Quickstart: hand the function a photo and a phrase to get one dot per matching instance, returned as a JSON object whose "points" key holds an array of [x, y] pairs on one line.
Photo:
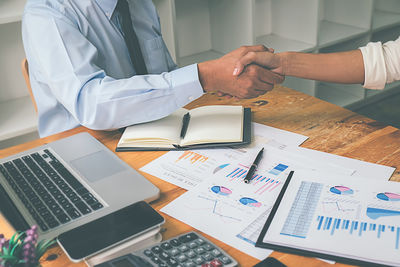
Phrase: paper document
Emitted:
{"points": [[349, 217], [361, 168], [234, 212], [187, 169]]}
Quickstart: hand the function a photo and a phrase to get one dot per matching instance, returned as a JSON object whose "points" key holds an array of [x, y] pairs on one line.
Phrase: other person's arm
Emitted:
{"points": [[373, 65]]}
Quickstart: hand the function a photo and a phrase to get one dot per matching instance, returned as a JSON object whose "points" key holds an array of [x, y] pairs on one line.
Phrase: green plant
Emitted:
{"points": [[22, 249]]}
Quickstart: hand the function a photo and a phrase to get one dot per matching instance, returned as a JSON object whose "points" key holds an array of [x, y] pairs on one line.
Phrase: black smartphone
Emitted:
{"points": [[114, 228]]}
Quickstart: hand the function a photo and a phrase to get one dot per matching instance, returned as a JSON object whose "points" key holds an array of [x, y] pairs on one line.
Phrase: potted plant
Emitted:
{"points": [[23, 249]]}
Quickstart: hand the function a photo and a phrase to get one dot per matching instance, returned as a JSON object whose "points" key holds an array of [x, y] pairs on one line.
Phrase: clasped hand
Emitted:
{"points": [[239, 73]]}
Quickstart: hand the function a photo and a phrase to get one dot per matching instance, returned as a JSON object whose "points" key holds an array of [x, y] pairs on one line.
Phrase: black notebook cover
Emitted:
{"points": [[247, 135]]}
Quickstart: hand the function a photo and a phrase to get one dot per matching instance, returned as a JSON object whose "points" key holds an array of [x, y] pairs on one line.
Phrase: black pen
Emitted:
{"points": [[253, 167]]}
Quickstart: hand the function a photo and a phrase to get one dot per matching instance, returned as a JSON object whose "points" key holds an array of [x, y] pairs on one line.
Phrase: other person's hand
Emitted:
{"points": [[216, 75], [265, 59]]}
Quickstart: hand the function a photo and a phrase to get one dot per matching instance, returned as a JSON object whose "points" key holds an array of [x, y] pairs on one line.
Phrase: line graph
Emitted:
{"points": [[219, 211], [336, 206]]}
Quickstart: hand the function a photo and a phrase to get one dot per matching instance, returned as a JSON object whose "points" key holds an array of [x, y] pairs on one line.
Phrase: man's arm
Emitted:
{"points": [[67, 63], [98, 101]]}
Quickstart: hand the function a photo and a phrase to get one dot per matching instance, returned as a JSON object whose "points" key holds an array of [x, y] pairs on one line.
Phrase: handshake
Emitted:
{"points": [[247, 72], [251, 71]]}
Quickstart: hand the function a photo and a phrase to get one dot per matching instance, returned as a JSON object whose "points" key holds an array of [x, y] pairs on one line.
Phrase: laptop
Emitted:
{"points": [[67, 183]]}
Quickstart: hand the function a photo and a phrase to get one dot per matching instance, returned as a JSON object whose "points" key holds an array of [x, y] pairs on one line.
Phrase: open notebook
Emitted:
{"points": [[347, 219], [207, 126]]}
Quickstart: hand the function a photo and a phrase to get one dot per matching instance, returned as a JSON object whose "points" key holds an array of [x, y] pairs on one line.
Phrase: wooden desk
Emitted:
{"points": [[331, 129]]}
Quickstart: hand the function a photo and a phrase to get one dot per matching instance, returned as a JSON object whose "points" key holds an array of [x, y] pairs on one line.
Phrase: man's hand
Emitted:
{"points": [[216, 75], [265, 59]]}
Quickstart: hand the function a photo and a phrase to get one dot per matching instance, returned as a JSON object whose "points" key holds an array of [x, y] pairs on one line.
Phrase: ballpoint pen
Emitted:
{"points": [[253, 167]]}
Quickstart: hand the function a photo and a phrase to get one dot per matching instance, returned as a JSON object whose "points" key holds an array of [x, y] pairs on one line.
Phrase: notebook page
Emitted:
{"points": [[163, 131], [214, 124]]}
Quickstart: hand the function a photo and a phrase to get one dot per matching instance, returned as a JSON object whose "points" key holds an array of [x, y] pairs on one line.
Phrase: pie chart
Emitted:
{"points": [[341, 190], [387, 196], [220, 167], [250, 202], [221, 190]]}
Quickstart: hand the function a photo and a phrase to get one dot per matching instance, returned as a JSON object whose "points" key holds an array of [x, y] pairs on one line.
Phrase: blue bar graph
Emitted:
{"points": [[357, 227], [278, 169]]}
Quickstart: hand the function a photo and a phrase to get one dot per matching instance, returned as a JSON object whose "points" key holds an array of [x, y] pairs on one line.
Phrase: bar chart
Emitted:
{"points": [[261, 183], [193, 157], [358, 228], [278, 169]]}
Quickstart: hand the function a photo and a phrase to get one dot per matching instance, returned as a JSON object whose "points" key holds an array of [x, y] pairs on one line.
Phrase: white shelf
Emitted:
{"points": [[11, 10], [17, 117], [392, 85], [302, 85], [371, 92], [384, 19], [281, 44], [341, 95], [332, 33], [199, 57]]}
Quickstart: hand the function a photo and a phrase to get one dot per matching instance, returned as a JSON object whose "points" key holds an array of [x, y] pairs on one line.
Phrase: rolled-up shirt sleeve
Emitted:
{"points": [[381, 63]]}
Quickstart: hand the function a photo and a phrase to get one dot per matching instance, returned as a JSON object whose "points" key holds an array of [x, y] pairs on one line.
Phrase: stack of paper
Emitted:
{"points": [[220, 204]]}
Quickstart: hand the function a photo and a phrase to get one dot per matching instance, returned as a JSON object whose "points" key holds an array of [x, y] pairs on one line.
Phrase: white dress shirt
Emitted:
{"points": [[80, 68], [381, 63]]}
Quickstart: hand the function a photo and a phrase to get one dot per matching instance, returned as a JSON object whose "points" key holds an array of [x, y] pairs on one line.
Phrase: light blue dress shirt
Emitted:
{"points": [[80, 69]]}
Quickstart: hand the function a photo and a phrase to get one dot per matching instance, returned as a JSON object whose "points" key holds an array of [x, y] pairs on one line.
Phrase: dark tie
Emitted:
{"points": [[131, 39]]}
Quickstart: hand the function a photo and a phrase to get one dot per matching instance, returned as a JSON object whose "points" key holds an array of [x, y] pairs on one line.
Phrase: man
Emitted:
{"points": [[103, 64]]}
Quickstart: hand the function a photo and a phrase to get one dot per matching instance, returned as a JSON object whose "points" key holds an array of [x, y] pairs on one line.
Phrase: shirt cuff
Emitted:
{"points": [[186, 84], [374, 66]]}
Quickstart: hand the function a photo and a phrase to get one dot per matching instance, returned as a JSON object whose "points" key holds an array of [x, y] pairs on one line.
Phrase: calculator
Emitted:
{"points": [[187, 250]]}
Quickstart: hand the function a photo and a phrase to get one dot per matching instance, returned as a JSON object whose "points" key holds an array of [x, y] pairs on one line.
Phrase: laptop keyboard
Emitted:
{"points": [[48, 190]]}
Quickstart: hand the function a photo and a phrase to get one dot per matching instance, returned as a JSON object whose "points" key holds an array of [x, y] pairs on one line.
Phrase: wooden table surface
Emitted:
{"points": [[331, 129]]}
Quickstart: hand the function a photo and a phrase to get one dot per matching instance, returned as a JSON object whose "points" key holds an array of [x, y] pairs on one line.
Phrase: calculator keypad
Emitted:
{"points": [[187, 250]]}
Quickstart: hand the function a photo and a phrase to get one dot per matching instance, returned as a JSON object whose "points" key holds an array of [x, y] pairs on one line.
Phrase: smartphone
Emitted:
{"points": [[112, 229]]}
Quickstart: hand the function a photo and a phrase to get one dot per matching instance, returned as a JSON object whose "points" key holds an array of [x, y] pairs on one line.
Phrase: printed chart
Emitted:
{"points": [[183, 168], [298, 222], [192, 157], [354, 218], [375, 213], [251, 233], [247, 201], [221, 190], [387, 196], [222, 203], [220, 167], [262, 182], [358, 228], [223, 210], [337, 206], [341, 190]]}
